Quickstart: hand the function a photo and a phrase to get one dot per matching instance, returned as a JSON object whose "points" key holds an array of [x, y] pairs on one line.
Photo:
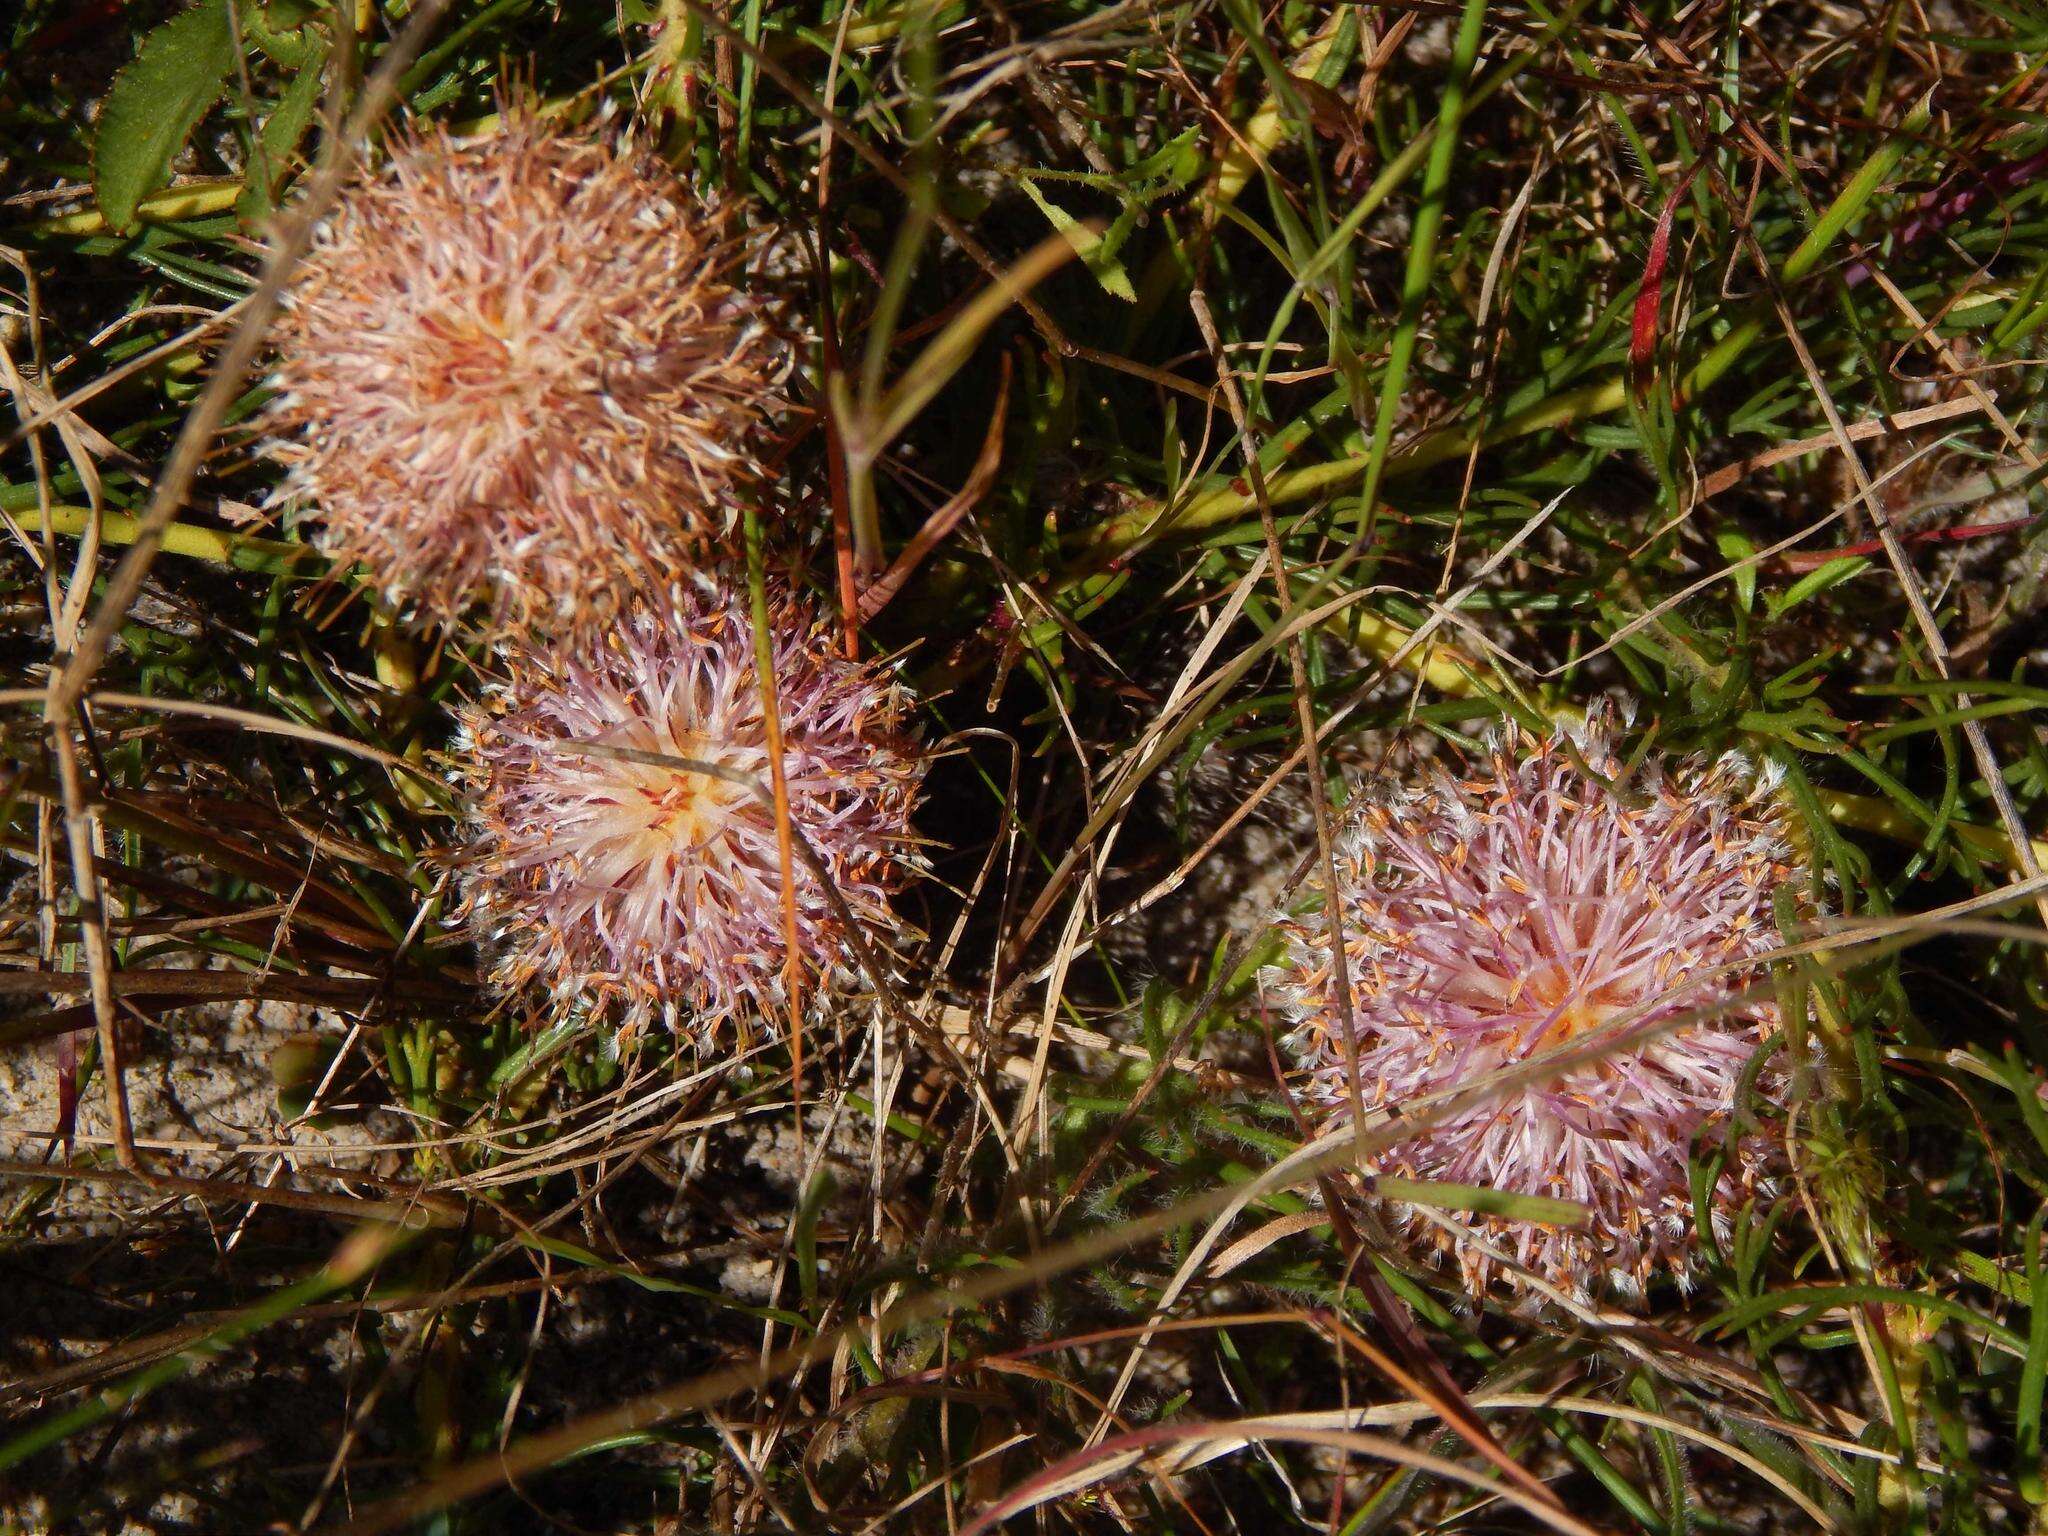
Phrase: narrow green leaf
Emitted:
{"points": [[279, 140], [1869, 179], [946, 352], [1097, 251], [2034, 1369], [155, 103], [1735, 545], [1485, 1202], [660, 1285], [1817, 581], [1818, 1298]]}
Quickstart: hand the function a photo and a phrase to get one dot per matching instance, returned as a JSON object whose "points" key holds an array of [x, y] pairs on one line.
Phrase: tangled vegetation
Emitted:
{"points": [[1203, 422]]}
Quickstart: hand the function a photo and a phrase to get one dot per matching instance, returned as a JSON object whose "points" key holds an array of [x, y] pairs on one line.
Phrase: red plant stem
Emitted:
{"points": [[1813, 560]]}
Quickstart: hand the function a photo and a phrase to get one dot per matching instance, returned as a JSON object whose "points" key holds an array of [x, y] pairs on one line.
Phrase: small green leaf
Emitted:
{"points": [[280, 30], [155, 103], [1486, 1202], [1736, 546], [1097, 251], [1815, 582], [282, 131]]}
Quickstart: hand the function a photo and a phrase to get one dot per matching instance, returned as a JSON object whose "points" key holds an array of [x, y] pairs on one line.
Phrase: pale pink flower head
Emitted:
{"points": [[510, 371], [640, 889], [1556, 902]]}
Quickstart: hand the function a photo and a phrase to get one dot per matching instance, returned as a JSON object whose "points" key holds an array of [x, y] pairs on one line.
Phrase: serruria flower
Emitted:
{"points": [[638, 888], [1556, 901], [510, 370]]}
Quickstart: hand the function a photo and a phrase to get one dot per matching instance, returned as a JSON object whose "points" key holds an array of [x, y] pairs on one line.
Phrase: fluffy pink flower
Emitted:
{"points": [[642, 889], [509, 370], [1556, 902]]}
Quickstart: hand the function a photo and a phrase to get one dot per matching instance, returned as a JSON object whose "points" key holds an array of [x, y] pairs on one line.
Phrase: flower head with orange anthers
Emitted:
{"points": [[1556, 902], [612, 868], [509, 370]]}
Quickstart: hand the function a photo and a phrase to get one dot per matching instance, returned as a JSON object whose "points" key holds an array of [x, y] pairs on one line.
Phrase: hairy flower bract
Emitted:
{"points": [[509, 370], [1556, 903], [612, 869]]}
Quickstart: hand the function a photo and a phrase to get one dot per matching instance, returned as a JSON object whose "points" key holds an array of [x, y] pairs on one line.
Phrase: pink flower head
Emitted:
{"points": [[509, 370], [641, 888], [1556, 902]]}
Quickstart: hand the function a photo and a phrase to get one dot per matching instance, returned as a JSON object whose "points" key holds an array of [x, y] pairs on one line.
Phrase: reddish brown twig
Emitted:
{"points": [[1813, 559]]}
